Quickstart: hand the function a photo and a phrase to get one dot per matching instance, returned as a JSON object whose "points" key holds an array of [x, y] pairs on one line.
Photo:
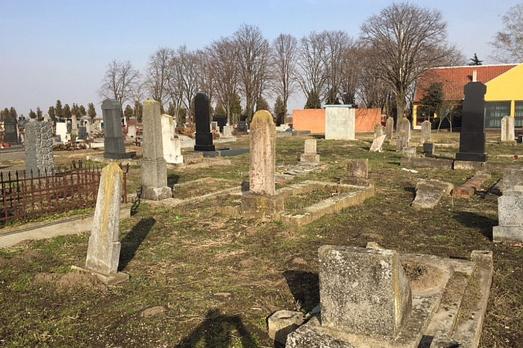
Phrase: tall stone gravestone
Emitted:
{"points": [[10, 131], [172, 147], [154, 168], [507, 130], [426, 132], [510, 216], [389, 128], [203, 124], [261, 200], [402, 142], [113, 138], [310, 154], [472, 135], [103, 251], [340, 122], [74, 124], [39, 148]]}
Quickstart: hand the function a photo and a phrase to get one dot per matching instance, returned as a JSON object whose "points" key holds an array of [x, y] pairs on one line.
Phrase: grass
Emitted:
{"points": [[219, 276]]}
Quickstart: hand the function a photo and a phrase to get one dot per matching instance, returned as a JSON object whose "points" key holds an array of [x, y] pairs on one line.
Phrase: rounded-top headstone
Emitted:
{"points": [[110, 104]]}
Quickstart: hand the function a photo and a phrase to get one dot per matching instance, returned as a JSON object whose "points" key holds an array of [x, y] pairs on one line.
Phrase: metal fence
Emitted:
{"points": [[25, 196]]}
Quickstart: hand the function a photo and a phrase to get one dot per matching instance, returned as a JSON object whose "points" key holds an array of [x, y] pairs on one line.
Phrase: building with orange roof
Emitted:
{"points": [[504, 90]]}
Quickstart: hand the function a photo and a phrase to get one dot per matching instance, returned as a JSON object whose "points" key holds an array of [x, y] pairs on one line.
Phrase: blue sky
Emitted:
{"points": [[60, 48]]}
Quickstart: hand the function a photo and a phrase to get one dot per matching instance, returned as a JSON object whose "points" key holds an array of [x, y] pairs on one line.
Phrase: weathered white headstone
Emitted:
{"points": [[227, 131], [507, 129], [377, 143], [379, 130], [154, 169], [510, 216], [426, 132], [340, 122], [310, 154], [61, 131], [172, 148]]}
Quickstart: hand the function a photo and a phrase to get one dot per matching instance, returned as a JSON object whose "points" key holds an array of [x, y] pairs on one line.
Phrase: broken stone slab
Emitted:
{"points": [[363, 291], [469, 188], [256, 205], [510, 216], [430, 192], [283, 322], [469, 165]]}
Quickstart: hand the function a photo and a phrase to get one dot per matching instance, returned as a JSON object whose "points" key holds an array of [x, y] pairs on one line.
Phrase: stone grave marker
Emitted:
{"points": [[472, 134], [203, 126], [507, 130], [261, 200], [227, 131], [430, 192], [61, 131], [113, 138], [74, 124], [357, 172], [154, 169], [377, 143], [103, 251], [512, 177], [11, 130], [379, 130], [389, 128], [510, 216], [172, 147], [310, 154], [340, 122], [39, 148], [426, 132]]}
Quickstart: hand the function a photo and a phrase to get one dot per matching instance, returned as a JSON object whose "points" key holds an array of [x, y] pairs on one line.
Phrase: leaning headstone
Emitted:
{"points": [[379, 130], [39, 148], [172, 148], [310, 154], [377, 143], [340, 122], [113, 138], [363, 291], [426, 132], [472, 134], [154, 169], [507, 130], [389, 128], [203, 125], [103, 251], [510, 216], [261, 200], [430, 192]]}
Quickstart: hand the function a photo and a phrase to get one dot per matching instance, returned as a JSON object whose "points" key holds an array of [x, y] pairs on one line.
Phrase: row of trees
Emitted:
{"points": [[377, 69]]}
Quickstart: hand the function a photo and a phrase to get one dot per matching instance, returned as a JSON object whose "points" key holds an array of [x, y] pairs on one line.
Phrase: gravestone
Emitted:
{"points": [[261, 200], [103, 251], [203, 125], [402, 142], [357, 172], [214, 126], [389, 128], [82, 133], [74, 124], [340, 122], [512, 177], [377, 143], [507, 130], [379, 130], [227, 131], [510, 216], [428, 149], [430, 192], [310, 154], [172, 147], [11, 131], [472, 135], [61, 131], [363, 291], [113, 138], [39, 148], [154, 169], [242, 126], [426, 132], [131, 132]]}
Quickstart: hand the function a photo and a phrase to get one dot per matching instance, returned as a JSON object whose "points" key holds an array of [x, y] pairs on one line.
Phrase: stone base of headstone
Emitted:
{"points": [[204, 142], [108, 279], [258, 206], [310, 157], [468, 165], [353, 180], [508, 233], [428, 149], [475, 157], [119, 155], [156, 193]]}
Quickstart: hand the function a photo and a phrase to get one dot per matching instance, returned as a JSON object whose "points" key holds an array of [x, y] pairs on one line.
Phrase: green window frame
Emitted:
{"points": [[518, 121], [494, 112]]}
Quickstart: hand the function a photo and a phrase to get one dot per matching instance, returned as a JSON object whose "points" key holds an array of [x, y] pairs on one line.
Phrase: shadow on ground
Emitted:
{"points": [[132, 240], [305, 288], [218, 331], [172, 179], [482, 223]]}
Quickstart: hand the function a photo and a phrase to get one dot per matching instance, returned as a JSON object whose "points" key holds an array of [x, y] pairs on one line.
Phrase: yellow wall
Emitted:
{"points": [[506, 87]]}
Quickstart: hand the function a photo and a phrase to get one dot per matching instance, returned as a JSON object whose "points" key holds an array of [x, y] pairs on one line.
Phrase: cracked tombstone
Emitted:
{"points": [[39, 148], [430, 192], [261, 199], [103, 251], [154, 168], [310, 154]]}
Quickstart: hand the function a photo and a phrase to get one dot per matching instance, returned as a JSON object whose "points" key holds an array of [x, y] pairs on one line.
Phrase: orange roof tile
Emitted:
{"points": [[455, 78]]}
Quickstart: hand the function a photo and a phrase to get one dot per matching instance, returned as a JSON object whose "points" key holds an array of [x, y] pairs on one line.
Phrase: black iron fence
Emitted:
{"points": [[25, 196]]}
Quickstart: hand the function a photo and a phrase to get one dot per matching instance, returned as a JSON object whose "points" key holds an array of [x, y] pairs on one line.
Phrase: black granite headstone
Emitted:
{"points": [[10, 131], [82, 133], [113, 138], [203, 125], [472, 135]]}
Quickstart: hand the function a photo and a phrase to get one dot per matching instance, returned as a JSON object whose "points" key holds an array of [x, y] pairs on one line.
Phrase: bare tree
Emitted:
{"points": [[253, 61], [311, 69], [284, 52], [223, 56], [406, 41], [120, 81], [508, 43], [184, 82], [206, 78], [350, 71], [337, 44], [159, 72]]}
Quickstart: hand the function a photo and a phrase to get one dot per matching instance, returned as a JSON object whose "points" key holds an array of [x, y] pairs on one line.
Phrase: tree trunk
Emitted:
{"points": [[400, 108]]}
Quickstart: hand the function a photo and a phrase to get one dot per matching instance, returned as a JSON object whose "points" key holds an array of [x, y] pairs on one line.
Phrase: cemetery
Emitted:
{"points": [[181, 209]]}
